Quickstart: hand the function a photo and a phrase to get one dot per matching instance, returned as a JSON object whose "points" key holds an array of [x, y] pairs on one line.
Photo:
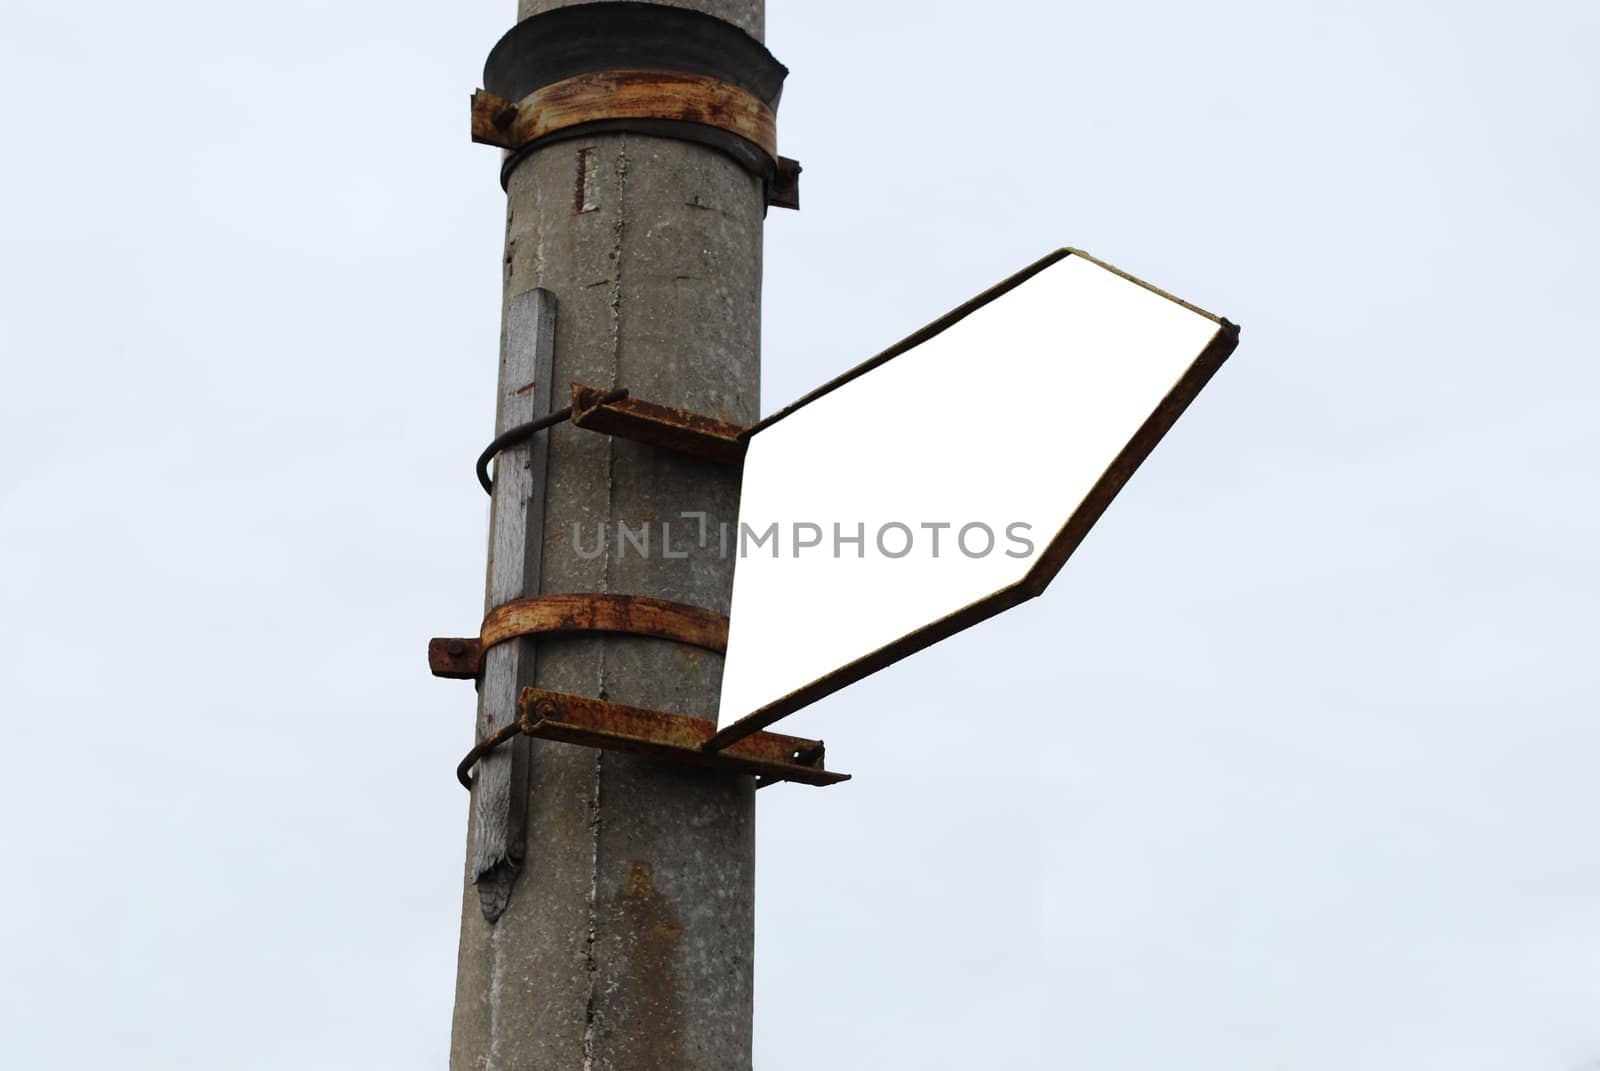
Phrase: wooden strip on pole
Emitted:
{"points": [[516, 547]]}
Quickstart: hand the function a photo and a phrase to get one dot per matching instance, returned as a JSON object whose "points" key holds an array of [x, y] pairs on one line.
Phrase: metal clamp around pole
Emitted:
{"points": [[652, 69], [461, 658]]}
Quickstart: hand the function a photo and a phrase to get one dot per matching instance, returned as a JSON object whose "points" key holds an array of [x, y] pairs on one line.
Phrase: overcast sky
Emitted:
{"points": [[1294, 767]]}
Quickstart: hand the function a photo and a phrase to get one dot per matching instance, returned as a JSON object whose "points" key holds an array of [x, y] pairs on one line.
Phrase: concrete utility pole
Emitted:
{"points": [[626, 937]]}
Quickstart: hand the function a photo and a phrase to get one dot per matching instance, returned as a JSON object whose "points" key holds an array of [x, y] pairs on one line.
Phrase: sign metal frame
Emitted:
{"points": [[1060, 546]]}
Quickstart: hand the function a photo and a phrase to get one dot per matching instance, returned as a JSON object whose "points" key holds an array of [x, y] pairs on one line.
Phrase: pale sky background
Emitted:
{"points": [[1294, 768]]}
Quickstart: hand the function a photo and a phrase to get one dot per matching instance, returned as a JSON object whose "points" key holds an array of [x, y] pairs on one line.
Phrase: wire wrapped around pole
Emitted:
{"points": [[494, 740], [523, 432]]}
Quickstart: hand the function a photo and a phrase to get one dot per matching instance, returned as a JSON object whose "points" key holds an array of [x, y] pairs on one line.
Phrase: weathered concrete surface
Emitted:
{"points": [[628, 941]]}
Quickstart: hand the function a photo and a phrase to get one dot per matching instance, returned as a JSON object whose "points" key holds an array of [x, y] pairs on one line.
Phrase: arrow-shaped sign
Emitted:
{"points": [[898, 505]]}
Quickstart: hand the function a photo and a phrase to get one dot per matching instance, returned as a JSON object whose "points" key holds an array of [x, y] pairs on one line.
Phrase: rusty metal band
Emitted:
{"points": [[632, 615], [718, 85], [607, 96]]}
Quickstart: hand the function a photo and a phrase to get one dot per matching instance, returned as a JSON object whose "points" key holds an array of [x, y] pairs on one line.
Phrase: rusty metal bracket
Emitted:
{"points": [[613, 412], [783, 188], [664, 426], [462, 658], [599, 723]]}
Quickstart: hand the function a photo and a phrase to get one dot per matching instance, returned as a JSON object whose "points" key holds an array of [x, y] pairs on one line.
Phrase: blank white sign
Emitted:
{"points": [[932, 482]]}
